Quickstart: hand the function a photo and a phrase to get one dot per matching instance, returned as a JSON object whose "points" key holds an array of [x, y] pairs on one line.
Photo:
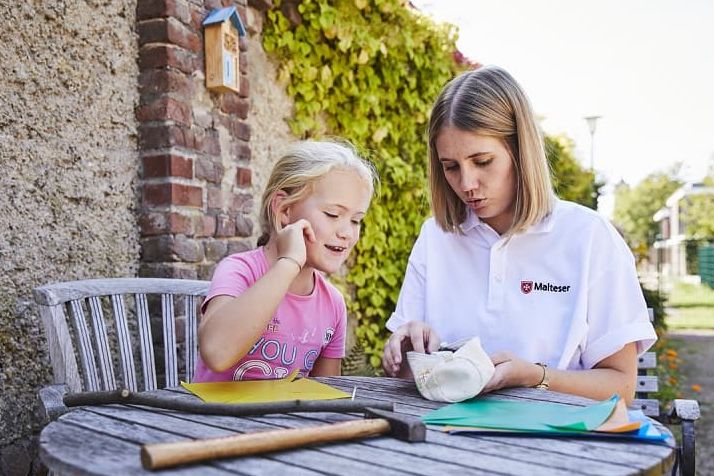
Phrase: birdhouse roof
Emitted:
{"points": [[220, 15]]}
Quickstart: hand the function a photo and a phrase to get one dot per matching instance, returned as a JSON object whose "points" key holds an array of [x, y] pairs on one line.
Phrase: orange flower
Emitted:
{"points": [[671, 353], [696, 388], [673, 381]]}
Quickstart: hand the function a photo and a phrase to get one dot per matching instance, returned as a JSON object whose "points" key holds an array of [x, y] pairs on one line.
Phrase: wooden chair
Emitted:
{"points": [[104, 347], [682, 412]]}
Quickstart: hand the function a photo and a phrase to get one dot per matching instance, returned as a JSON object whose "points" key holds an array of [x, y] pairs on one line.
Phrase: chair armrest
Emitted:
{"points": [[51, 404], [683, 410]]}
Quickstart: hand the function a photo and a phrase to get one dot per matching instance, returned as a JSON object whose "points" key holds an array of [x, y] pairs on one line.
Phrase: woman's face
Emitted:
{"points": [[480, 171]]}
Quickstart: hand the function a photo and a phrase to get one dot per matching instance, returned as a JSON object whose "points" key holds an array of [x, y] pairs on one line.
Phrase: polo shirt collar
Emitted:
{"points": [[544, 226], [471, 222]]}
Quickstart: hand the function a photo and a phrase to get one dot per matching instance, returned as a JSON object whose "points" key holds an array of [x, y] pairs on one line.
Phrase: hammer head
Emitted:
{"points": [[401, 427]]}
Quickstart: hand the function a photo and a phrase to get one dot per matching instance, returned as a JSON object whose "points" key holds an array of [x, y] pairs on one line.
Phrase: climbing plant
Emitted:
{"points": [[369, 71], [570, 180]]}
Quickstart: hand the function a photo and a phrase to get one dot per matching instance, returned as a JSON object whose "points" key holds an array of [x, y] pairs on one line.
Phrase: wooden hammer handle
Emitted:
{"points": [[164, 455]]}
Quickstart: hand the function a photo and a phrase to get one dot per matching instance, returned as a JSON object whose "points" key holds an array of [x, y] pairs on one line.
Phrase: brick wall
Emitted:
{"points": [[194, 145]]}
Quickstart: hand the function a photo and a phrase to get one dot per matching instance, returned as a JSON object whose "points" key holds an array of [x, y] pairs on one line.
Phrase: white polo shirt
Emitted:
{"points": [[565, 292]]}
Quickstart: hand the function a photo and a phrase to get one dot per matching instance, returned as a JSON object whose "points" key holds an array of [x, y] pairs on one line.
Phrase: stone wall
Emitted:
{"points": [[116, 161], [69, 166], [68, 159]]}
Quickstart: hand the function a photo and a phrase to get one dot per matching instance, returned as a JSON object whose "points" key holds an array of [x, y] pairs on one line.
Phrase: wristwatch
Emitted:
{"points": [[544, 382]]}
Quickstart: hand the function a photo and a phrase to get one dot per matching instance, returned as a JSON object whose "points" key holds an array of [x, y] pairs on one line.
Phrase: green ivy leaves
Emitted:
{"points": [[369, 71]]}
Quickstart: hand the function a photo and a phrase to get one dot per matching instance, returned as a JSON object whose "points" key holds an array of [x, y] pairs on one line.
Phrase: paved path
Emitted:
{"points": [[697, 367]]}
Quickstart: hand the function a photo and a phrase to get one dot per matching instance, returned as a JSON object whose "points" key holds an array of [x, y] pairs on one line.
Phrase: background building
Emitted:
{"points": [[673, 252]]}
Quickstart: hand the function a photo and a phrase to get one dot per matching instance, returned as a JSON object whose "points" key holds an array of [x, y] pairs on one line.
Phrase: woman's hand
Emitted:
{"points": [[414, 335], [291, 240], [512, 371], [614, 374]]}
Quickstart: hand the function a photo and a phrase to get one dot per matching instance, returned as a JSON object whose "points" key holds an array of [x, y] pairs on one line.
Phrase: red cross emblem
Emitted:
{"points": [[526, 287]]}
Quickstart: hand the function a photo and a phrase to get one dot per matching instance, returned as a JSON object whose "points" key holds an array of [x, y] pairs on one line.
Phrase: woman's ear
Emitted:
{"points": [[280, 211]]}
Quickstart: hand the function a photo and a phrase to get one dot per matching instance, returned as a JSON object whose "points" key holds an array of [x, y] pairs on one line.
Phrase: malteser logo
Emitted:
{"points": [[528, 286]]}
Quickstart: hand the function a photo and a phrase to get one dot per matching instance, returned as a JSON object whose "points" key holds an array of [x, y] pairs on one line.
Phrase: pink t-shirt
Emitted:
{"points": [[302, 329]]}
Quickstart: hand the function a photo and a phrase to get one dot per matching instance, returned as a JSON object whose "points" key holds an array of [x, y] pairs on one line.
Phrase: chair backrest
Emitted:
{"points": [[101, 344], [647, 382]]}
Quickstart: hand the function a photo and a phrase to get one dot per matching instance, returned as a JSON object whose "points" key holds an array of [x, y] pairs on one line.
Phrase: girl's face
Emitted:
{"points": [[480, 171], [335, 209]]}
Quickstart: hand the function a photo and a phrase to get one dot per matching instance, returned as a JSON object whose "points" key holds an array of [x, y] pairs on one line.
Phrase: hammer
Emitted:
{"points": [[377, 422]]}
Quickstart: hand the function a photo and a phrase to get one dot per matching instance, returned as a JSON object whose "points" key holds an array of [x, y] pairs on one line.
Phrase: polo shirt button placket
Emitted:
{"points": [[498, 261]]}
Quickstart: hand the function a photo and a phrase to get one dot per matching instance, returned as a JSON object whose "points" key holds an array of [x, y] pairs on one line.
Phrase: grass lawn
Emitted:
{"points": [[692, 307]]}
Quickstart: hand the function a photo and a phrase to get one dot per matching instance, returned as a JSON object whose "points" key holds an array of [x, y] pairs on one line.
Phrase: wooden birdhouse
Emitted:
{"points": [[222, 29]]}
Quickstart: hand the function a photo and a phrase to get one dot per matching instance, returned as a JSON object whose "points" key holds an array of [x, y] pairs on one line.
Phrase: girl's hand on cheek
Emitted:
{"points": [[291, 240]]}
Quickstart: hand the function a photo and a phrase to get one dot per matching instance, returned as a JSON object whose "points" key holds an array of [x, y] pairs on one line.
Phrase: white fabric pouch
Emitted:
{"points": [[447, 376]]}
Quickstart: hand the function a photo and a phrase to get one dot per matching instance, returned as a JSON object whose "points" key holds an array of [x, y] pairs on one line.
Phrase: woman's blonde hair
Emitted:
{"points": [[488, 101], [301, 165]]}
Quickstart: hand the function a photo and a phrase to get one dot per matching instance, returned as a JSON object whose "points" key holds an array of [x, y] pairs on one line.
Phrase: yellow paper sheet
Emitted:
{"points": [[255, 391]]}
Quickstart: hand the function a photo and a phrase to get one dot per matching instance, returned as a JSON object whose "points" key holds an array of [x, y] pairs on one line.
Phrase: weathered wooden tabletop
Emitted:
{"points": [[107, 440]]}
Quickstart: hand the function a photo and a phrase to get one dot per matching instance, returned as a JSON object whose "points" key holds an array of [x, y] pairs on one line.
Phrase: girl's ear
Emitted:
{"points": [[280, 211]]}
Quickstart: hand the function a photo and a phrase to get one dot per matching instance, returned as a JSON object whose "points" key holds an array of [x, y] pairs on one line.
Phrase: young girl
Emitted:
{"points": [[270, 311], [549, 286]]}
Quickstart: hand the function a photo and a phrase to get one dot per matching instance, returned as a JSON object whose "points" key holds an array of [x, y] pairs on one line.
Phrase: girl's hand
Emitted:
{"points": [[512, 371], [414, 335], [291, 240]]}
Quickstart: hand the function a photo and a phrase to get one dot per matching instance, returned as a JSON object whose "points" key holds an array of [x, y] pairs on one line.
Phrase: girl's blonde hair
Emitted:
{"points": [[488, 101], [302, 164]]}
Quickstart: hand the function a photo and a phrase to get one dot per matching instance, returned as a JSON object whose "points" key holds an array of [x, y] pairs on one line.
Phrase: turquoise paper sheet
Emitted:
{"points": [[517, 415]]}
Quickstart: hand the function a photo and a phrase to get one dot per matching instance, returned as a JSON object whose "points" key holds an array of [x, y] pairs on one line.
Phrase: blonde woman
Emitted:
{"points": [[549, 286], [270, 311]]}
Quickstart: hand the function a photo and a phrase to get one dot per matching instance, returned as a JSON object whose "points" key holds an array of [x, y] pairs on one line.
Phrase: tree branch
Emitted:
{"points": [[125, 396]]}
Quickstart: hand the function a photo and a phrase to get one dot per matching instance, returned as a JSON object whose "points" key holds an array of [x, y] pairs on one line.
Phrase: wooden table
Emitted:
{"points": [[107, 440]]}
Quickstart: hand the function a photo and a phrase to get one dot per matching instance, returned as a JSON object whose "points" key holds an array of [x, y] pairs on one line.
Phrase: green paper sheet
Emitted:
{"points": [[525, 416], [255, 391]]}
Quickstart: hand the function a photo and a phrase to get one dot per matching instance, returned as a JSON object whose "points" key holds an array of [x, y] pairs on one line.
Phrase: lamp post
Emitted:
{"points": [[592, 122]]}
